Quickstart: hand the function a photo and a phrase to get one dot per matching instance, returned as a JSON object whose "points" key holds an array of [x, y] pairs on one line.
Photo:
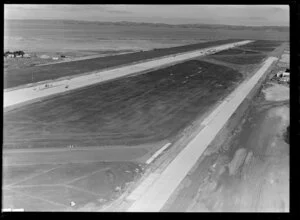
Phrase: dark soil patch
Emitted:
{"points": [[240, 59]]}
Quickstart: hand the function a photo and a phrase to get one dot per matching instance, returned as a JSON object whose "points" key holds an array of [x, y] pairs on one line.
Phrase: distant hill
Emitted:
{"points": [[206, 26]]}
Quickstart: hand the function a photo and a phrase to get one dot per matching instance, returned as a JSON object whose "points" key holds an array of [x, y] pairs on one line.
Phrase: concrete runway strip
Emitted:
{"points": [[160, 190], [27, 94]]}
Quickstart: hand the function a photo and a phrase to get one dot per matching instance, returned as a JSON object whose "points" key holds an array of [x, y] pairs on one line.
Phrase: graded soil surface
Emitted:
{"points": [[235, 51], [41, 73], [262, 45], [143, 108], [252, 53], [65, 187], [250, 170], [240, 59]]}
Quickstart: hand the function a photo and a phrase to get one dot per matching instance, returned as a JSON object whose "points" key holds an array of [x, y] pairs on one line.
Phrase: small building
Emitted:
{"points": [[285, 73], [283, 76], [54, 58], [18, 53], [44, 56], [279, 74], [26, 55], [285, 79], [10, 55]]}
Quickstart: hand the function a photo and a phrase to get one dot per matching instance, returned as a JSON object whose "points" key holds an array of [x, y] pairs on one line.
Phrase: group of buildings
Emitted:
{"points": [[15, 54], [283, 76]]}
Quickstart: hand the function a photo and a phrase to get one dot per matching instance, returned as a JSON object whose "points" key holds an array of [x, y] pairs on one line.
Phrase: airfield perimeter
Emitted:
{"points": [[116, 121]]}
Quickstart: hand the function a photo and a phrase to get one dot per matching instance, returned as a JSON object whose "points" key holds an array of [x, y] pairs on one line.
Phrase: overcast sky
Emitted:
{"points": [[171, 14]]}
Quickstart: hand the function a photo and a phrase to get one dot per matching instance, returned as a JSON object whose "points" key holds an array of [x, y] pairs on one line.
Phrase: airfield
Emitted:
{"points": [[50, 72], [89, 145]]}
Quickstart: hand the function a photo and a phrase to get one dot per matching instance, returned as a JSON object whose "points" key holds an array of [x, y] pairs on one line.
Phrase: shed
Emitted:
{"points": [[279, 74], [285, 74]]}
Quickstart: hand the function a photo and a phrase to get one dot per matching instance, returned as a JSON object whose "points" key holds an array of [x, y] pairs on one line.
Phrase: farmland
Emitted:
{"points": [[34, 74], [161, 104]]}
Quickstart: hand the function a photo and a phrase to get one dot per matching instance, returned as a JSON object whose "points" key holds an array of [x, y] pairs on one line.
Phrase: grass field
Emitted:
{"points": [[240, 59], [261, 45], [144, 108], [36, 74]]}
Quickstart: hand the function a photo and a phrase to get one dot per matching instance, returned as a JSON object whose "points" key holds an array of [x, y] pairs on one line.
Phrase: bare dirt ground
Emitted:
{"points": [[277, 92], [70, 179], [250, 173], [61, 187]]}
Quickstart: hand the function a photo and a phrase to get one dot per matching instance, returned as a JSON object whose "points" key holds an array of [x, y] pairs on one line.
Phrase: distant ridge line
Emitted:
{"points": [[129, 23]]}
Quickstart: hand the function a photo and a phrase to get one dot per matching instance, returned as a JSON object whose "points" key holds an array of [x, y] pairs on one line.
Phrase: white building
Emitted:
{"points": [[283, 74], [44, 57]]}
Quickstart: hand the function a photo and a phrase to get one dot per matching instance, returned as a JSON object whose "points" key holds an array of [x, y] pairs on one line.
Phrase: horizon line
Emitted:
{"points": [[135, 22]]}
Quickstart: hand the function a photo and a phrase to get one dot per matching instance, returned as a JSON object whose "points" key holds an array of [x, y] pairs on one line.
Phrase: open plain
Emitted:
{"points": [[82, 149]]}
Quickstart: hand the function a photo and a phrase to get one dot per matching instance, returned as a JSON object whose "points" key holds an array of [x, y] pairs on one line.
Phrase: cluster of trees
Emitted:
{"points": [[15, 53]]}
